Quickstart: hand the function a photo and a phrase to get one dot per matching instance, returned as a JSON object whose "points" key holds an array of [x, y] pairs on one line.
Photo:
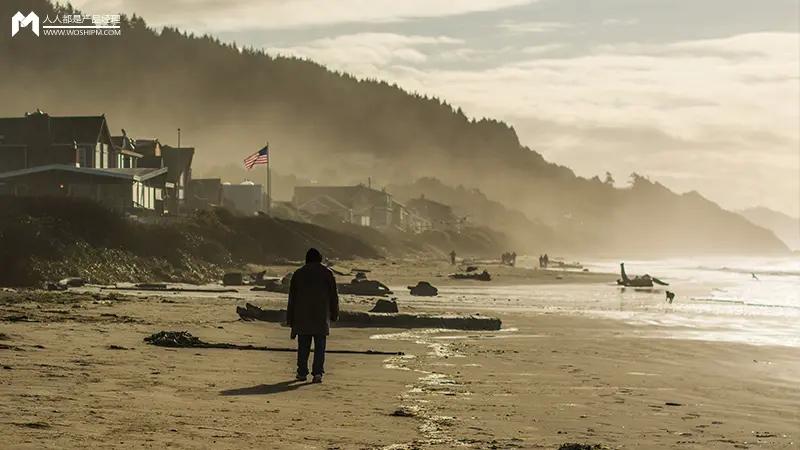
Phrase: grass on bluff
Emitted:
{"points": [[49, 238]]}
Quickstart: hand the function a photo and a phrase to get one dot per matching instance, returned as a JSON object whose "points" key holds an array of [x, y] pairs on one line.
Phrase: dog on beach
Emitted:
{"points": [[670, 297]]}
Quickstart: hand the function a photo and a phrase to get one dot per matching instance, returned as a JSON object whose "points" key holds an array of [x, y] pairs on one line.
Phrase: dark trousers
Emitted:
{"points": [[304, 348]]}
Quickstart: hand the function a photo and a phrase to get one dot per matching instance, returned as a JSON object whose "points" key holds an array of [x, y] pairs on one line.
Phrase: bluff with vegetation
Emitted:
{"points": [[51, 238], [333, 128]]}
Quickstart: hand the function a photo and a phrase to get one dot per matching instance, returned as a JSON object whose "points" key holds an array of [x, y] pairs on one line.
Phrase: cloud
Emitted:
{"points": [[367, 53], [225, 15], [717, 115], [620, 22], [542, 49], [532, 27]]}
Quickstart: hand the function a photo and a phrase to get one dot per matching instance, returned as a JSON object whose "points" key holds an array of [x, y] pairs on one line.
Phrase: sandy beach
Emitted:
{"points": [[75, 373]]}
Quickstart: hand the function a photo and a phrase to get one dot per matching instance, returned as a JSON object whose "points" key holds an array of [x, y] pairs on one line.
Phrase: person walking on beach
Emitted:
{"points": [[313, 301], [453, 257]]}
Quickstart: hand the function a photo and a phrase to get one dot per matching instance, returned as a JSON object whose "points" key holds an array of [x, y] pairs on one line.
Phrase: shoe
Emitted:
{"points": [[301, 377], [316, 379]]}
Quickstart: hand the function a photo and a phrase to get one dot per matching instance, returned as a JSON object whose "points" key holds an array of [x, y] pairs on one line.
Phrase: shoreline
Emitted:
{"points": [[545, 379]]}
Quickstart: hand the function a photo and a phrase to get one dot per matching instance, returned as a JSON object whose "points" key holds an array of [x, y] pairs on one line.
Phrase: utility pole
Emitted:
{"points": [[179, 138]]}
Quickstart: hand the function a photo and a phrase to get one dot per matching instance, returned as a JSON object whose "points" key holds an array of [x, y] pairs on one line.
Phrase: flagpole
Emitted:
{"points": [[269, 180]]}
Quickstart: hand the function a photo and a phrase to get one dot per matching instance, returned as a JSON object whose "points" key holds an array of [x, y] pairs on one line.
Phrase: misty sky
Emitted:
{"points": [[700, 95]]}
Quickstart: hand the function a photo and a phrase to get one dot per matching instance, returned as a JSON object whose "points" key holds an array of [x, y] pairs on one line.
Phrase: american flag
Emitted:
{"points": [[259, 157]]}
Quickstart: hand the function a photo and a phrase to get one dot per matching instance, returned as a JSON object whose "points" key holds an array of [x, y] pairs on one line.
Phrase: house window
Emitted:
{"points": [[104, 153], [83, 157]]}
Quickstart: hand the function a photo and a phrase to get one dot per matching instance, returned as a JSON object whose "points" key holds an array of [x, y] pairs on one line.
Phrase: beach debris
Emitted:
{"points": [[72, 282], [280, 285], [153, 286], [483, 276], [575, 446], [173, 339], [385, 306], [19, 318], [184, 339], [360, 285], [637, 281], [423, 289], [233, 279], [34, 425], [163, 287], [673, 404], [403, 412], [763, 434], [340, 270], [367, 319], [52, 286], [256, 278], [561, 264], [117, 347]]}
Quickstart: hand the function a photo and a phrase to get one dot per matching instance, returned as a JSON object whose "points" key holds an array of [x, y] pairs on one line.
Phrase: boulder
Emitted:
{"points": [[423, 289], [385, 306], [233, 279]]}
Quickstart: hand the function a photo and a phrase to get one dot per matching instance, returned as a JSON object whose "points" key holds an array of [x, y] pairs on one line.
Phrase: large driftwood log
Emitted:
{"points": [[382, 320]]}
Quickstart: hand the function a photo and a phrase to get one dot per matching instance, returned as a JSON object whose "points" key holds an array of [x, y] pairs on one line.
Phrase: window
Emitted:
{"points": [[83, 156], [104, 153]]}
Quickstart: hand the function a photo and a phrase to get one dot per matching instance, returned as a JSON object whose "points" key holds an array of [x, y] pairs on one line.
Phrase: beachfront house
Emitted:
{"points": [[150, 153], [246, 198], [204, 193], [439, 215], [359, 204], [75, 156], [408, 220]]}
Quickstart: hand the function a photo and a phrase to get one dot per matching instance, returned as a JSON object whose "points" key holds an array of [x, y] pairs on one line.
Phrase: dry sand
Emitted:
{"points": [[77, 374]]}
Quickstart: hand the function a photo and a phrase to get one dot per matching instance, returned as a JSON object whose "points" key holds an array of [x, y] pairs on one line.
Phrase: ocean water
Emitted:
{"points": [[752, 300]]}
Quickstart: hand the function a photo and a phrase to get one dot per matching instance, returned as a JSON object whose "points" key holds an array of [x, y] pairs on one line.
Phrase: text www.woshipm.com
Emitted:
{"points": [[82, 32]]}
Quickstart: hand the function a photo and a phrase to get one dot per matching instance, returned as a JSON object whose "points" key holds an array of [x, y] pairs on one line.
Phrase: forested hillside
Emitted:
{"points": [[334, 128]]}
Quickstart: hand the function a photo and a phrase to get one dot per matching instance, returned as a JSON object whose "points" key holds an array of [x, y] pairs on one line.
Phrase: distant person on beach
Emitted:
{"points": [[453, 257], [313, 301]]}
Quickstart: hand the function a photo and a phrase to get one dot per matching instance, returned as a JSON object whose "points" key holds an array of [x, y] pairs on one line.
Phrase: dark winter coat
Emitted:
{"points": [[312, 300]]}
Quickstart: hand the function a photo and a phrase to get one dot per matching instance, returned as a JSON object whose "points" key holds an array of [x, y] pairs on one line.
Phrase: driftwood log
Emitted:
{"points": [[184, 339], [383, 320]]}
